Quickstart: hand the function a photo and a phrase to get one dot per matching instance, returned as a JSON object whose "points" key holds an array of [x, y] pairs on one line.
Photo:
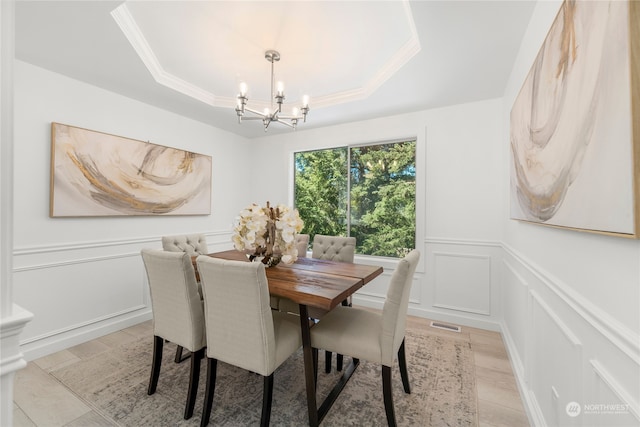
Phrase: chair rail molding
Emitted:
{"points": [[74, 262], [463, 242], [71, 246]]}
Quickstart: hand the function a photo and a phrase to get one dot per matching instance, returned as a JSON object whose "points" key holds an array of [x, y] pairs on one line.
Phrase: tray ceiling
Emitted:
{"points": [[356, 60]]}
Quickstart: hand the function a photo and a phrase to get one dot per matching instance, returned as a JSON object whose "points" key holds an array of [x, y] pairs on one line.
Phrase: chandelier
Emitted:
{"points": [[272, 114]]}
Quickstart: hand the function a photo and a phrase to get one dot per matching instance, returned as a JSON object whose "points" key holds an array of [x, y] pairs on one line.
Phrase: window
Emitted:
{"points": [[364, 191]]}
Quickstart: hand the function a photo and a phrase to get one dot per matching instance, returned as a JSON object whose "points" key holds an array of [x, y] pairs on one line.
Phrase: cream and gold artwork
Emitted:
{"points": [[98, 174], [575, 125]]}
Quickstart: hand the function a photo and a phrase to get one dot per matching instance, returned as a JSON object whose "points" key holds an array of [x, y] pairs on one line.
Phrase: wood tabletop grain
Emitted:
{"points": [[309, 281]]}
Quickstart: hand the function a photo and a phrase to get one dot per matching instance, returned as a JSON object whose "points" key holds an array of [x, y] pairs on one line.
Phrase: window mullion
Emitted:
{"points": [[348, 191]]}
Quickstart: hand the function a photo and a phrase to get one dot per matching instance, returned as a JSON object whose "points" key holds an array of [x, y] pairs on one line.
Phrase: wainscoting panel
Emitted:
{"points": [[611, 404], [557, 361], [374, 294], [566, 352], [515, 290], [375, 291], [79, 291], [462, 282], [69, 295]]}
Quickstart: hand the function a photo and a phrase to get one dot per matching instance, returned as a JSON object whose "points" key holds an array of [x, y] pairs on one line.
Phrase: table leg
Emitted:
{"points": [[309, 369]]}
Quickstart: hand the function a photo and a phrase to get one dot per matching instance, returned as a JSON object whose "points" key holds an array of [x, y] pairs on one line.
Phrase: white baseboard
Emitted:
{"points": [[54, 343]]}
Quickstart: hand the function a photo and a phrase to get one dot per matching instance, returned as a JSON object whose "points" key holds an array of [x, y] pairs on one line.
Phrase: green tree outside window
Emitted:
{"points": [[378, 187]]}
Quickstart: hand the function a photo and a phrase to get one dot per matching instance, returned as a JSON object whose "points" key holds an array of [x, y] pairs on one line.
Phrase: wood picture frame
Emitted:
{"points": [[99, 174], [575, 124]]}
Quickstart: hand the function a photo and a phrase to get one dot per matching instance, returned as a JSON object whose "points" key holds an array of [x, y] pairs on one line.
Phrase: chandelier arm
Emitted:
{"points": [[284, 123], [255, 112], [290, 117]]}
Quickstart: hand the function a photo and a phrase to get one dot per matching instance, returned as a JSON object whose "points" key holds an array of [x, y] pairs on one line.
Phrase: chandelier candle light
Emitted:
{"points": [[268, 234], [272, 114]]}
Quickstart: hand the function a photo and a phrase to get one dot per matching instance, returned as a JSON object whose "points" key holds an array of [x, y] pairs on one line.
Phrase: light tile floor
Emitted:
{"points": [[40, 400]]}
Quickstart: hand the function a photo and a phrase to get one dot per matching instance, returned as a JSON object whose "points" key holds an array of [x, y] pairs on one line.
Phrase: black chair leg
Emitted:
{"points": [[194, 379], [388, 395], [155, 364], [327, 361], [179, 357], [402, 363], [212, 366], [267, 397]]}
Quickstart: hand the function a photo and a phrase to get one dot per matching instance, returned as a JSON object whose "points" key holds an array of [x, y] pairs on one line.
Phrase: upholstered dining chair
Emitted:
{"points": [[375, 337], [241, 326], [302, 243], [178, 314], [192, 244], [334, 248]]}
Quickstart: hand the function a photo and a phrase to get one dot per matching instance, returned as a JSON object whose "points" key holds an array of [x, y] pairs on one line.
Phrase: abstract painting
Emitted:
{"points": [[574, 134], [98, 174]]}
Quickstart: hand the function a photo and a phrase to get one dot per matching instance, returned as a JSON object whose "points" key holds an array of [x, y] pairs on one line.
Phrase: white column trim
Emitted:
{"points": [[12, 317], [11, 358]]}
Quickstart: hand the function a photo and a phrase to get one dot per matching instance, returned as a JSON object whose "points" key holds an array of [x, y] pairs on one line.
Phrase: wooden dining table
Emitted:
{"points": [[312, 282]]}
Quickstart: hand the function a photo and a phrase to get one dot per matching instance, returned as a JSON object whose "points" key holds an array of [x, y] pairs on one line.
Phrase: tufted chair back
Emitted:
{"points": [[334, 248], [192, 244], [302, 243]]}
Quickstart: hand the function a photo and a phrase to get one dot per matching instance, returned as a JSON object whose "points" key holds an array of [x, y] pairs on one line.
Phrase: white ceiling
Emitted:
{"points": [[355, 59]]}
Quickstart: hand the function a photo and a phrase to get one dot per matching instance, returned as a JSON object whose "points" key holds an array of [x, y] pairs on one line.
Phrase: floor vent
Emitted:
{"points": [[446, 327]]}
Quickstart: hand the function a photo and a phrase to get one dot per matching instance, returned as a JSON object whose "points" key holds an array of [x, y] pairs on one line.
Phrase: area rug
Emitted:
{"points": [[441, 372]]}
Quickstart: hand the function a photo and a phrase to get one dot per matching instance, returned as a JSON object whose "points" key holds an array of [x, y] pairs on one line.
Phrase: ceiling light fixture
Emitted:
{"points": [[272, 114]]}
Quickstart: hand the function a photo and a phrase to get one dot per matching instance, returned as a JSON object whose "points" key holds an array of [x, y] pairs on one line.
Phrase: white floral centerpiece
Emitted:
{"points": [[268, 233]]}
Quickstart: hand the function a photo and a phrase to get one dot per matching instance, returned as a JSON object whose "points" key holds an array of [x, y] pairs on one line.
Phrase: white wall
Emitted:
{"points": [[83, 277], [458, 203], [571, 300]]}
